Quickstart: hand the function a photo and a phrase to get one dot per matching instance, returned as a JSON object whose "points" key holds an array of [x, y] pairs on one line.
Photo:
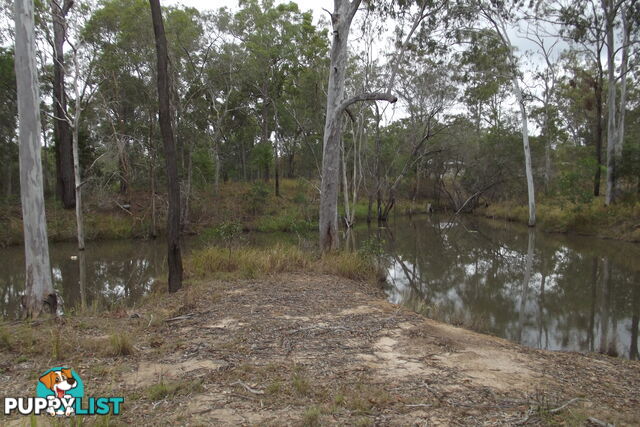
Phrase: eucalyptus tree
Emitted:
{"points": [[121, 33], [497, 17], [341, 19], [548, 78], [617, 13], [275, 39], [173, 219], [38, 285], [62, 131]]}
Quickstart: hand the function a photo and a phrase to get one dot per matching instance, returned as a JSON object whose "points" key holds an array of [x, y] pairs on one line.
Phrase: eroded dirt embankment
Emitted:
{"points": [[313, 349]]}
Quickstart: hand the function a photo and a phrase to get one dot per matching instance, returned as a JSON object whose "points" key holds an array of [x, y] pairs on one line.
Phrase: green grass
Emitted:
{"points": [[162, 389], [311, 417]]}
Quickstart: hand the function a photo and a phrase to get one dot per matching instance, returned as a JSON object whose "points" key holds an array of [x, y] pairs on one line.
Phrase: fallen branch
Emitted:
{"points": [[597, 422], [183, 317], [556, 410], [249, 389]]}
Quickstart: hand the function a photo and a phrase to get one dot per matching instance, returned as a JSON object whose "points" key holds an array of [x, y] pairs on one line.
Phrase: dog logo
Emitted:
{"points": [[60, 393], [61, 387]]}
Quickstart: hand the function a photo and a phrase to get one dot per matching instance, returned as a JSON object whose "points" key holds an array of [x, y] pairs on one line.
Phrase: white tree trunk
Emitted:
{"points": [[501, 30], [527, 153], [78, 182], [38, 283], [615, 126], [75, 125], [341, 20]]}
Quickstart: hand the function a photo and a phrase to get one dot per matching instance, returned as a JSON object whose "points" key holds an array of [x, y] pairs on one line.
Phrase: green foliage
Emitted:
{"points": [[372, 247], [226, 232], [257, 198]]}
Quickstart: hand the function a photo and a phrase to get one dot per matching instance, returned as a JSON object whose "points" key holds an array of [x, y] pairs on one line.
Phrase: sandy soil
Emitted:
{"points": [[314, 350]]}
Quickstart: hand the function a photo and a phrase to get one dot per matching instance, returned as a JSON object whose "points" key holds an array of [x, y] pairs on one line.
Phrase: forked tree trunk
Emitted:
{"points": [[173, 218], [38, 283], [341, 19]]}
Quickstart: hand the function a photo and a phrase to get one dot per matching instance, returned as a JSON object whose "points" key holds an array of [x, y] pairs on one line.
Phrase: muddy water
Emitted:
{"points": [[542, 290]]}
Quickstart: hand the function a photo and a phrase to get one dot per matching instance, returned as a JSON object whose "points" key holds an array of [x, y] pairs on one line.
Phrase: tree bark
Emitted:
{"points": [[38, 283], [341, 19], [598, 136], [61, 129], [173, 218], [615, 125]]}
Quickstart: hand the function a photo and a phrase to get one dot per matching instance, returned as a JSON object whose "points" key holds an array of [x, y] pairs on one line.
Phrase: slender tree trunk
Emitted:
{"points": [[38, 283], [152, 177], [75, 127], [62, 131], [598, 134], [502, 33], [527, 154], [78, 187], [8, 171], [173, 220]]}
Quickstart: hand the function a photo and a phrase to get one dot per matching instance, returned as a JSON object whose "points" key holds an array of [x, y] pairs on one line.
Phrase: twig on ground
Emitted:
{"points": [[596, 421], [556, 410], [183, 317], [249, 389]]}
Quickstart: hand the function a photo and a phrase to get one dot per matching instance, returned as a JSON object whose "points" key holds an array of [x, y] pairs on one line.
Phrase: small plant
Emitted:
{"points": [[5, 340], [274, 388], [311, 416], [300, 384], [373, 248], [226, 232], [161, 390], [257, 198], [120, 344]]}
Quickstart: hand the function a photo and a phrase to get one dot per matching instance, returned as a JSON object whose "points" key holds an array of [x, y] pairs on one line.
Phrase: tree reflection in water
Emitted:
{"points": [[543, 290]]}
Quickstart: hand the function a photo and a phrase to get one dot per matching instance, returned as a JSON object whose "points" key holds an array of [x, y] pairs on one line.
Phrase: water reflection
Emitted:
{"points": [[106, 273], [546, 291]]}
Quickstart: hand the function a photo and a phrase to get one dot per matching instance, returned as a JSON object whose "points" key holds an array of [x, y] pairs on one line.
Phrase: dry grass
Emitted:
{"points": [[620, 221], [249, 262]]}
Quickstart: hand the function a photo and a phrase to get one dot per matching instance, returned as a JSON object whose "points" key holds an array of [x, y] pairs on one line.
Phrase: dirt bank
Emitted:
{"points": [[312, 349]]}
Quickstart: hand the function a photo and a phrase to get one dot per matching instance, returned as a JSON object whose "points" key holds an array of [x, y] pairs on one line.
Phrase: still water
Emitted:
{"points": [[543, 290]]}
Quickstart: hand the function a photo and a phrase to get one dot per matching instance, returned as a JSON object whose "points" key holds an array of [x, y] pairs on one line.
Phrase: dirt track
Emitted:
{"points": [[312, 349]]}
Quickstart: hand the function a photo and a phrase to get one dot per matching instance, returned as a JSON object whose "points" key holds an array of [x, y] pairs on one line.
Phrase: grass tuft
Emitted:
{"points": [[120, 344], [161, 390], [311, 417]]}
